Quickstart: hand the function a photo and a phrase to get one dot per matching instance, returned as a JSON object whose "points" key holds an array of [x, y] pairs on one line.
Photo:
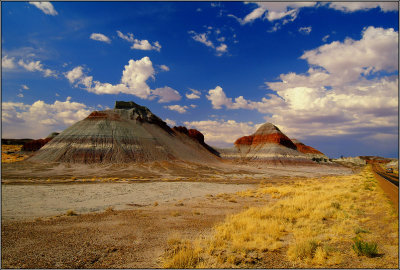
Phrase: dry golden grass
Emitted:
{"points": [[11, 157], [312, 223]]}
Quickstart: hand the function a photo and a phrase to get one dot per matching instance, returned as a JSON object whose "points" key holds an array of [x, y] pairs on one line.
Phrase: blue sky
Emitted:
{"points": [[324, 73]]}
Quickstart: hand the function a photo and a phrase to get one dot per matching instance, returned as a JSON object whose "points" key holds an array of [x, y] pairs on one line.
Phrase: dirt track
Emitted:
{"points": [[391, 190]]}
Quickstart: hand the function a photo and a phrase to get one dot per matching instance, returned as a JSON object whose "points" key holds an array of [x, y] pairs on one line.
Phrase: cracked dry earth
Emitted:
{"points": [[114, 239]]}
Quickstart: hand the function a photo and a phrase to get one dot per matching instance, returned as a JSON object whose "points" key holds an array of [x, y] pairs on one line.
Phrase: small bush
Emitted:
{"points": [[155, 204], [364, 248]]}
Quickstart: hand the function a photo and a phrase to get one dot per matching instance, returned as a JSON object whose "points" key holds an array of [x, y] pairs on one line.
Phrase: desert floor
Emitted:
{"points": [[87, 218]]}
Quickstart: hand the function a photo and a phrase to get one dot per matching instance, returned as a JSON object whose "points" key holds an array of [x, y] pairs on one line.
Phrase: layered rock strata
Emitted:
{"points": [[127, 133], [308, 150], [268, 143]]}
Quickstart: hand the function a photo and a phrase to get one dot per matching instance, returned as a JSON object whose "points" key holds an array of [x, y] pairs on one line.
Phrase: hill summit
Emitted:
{"points": [[269, 143], [127, 133]]}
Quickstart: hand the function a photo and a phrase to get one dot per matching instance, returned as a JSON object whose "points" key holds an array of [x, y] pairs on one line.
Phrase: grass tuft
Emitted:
{"points": [[362, 248]]}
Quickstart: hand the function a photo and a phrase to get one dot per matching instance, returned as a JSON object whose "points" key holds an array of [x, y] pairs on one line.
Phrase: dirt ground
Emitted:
{"points": [[134, 238], [113, 239], [32, 201]]}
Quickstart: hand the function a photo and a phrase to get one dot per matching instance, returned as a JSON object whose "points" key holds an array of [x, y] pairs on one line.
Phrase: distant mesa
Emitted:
{"points": [[268, 143], [127, 133], [35, 145]]}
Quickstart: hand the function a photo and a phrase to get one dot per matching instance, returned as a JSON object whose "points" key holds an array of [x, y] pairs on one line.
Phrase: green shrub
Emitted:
{"points": [[365, 248]]}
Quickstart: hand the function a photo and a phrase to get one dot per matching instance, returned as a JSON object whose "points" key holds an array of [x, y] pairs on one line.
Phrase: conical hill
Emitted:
{"points": [[127, 133]]}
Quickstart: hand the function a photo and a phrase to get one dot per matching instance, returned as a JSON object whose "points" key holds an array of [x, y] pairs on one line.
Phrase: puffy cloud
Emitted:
{"points": [[288, 11], [177, 108], [193, 106], [193, 94], [325, 38], [20, 95], [218, 98], [7, 63], [221, 48], [46, 7], [133, 82], [136, 74], [100, 37], [139, 44], [164, 67], [166, 94], [356, 6], [37, 66], [25, 87], [170, 122], [274, 11], [305, 30], [204, 39], [222, 133], [377, 50], [334, 97], [39, 119]]}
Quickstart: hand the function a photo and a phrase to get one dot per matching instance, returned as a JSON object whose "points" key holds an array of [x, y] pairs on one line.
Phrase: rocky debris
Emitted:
{"points": [[127, 133]]}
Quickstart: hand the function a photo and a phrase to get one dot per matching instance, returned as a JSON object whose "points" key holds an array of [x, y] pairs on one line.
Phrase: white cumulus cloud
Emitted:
{"points": [[356, 6], [7, 63], [193, 94], [177, 108], [139, 44], [46, 7], [39, 119], [204, 39], [100, 37], [37, 66], [170, 122], [166, 94], [133, 82], [222, 133]]}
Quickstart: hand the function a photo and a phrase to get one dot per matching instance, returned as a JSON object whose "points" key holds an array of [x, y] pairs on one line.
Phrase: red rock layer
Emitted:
{"points": [[35, 144], [101, 115], [277, 138], [196, 135], [307, 149], [192, 133]]}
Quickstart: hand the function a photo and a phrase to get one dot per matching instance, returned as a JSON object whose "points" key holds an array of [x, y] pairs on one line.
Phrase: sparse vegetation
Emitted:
{"points": [[11, 153], [364, 248], [319, 216]]}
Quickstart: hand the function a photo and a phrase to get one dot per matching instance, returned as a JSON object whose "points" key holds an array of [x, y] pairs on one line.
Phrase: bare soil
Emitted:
{"points": [[113, 239]]}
